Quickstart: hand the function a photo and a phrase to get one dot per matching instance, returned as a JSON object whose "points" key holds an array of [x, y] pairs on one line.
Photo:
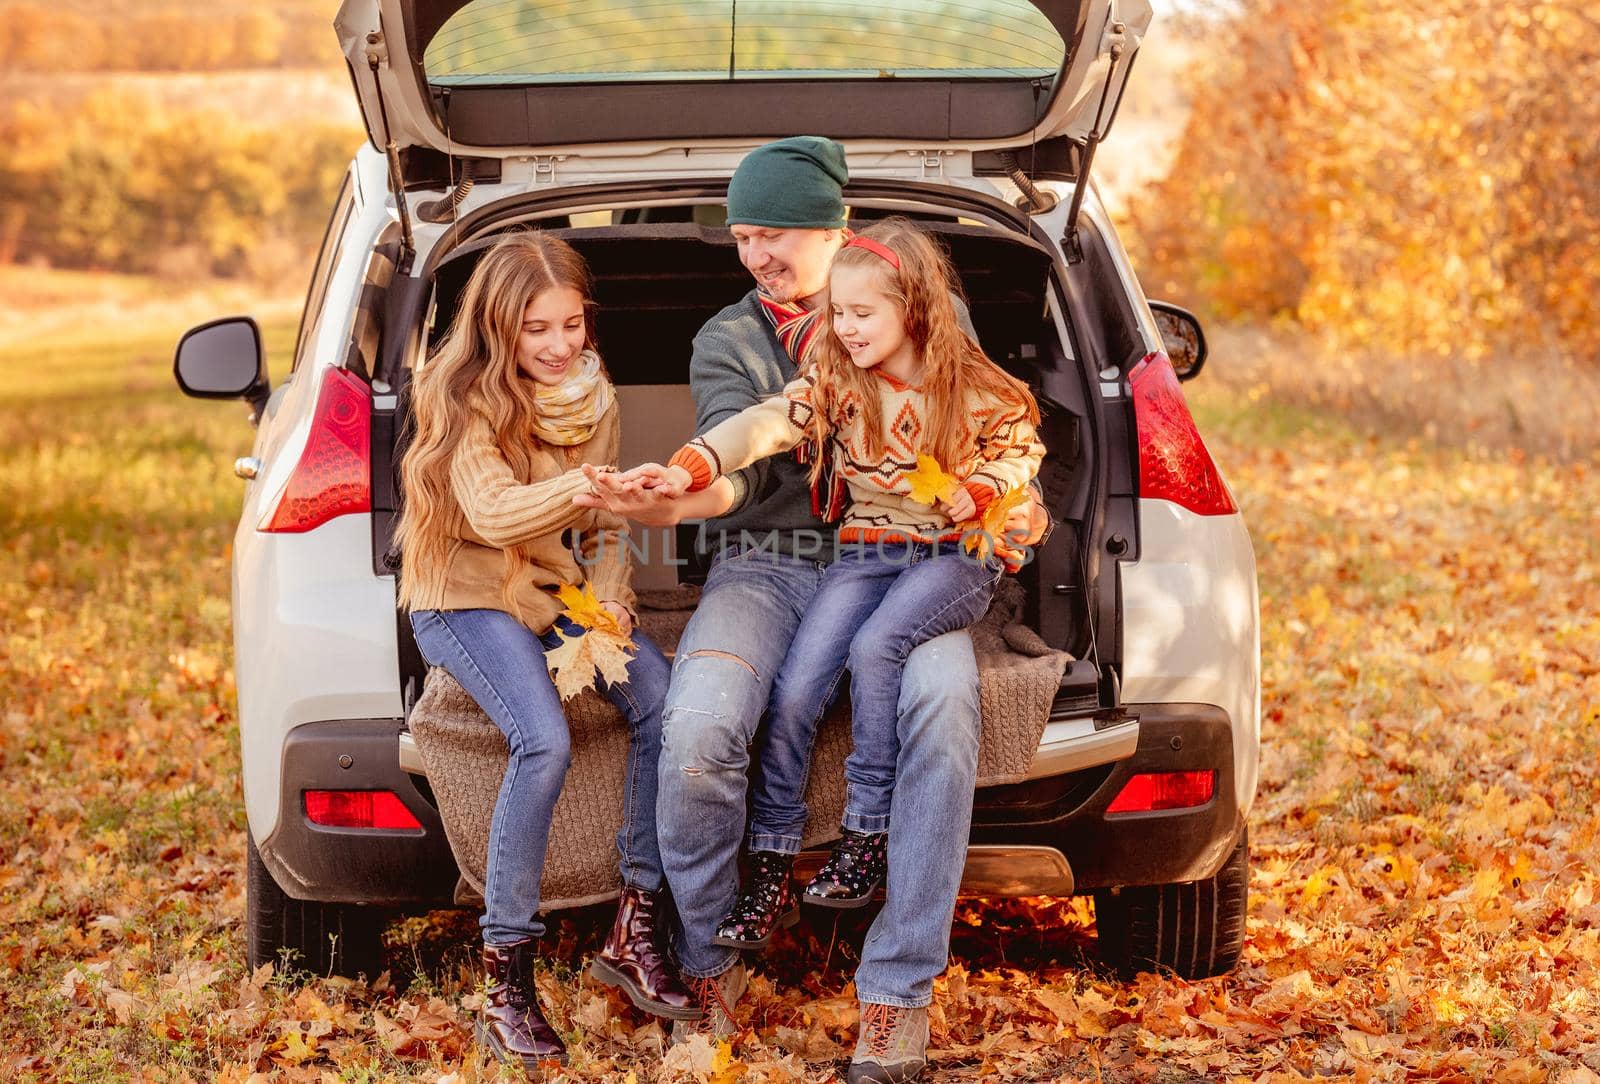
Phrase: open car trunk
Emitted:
{"points": [[656, 283]]}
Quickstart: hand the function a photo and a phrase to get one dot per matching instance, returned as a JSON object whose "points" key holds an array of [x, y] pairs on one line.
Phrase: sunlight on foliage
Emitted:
{"points": [[1416, 176]]}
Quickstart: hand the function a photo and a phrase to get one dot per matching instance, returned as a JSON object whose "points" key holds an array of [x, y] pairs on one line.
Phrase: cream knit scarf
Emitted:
{"points": [[569, 411]]}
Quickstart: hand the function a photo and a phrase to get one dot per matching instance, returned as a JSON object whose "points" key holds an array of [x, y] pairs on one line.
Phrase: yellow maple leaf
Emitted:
{"points": [[929, 483], [579, 658], [991, 527], [724, 1068], [583, 608]]}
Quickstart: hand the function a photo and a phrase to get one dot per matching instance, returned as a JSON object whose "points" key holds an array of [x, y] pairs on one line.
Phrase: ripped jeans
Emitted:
{"points": [[721, 679]]}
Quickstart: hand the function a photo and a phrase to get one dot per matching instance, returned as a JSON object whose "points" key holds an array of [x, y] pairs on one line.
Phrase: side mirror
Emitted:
{"points": [[223, 360], [1185, 341]]}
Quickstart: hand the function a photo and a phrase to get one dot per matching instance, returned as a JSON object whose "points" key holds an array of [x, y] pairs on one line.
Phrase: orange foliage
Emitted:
{"points": [[1420, 177]]}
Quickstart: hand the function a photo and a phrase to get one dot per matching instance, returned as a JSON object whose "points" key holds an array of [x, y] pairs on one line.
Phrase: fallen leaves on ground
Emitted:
{"points": [[1424, 902]]}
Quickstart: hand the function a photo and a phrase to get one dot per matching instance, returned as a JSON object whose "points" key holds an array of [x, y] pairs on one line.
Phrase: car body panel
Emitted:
{"points": [[1191, 624]]}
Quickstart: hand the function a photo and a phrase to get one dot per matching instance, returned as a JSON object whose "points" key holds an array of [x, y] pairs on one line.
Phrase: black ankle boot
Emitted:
{"points": [[852, 873], [511, 1024], [766, 901]]}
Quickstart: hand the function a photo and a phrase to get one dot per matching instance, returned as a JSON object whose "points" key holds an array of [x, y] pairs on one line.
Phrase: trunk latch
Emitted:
{"points": [[932, 163]]}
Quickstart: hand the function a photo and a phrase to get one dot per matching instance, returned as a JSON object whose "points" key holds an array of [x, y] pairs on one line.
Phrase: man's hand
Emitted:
{"points": [[1028, 521], [620, 612]]}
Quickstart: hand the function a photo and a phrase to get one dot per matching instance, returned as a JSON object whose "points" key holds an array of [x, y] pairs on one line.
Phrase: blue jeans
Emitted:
{"points": [[501, 663], [876, 604], [727, 658]]}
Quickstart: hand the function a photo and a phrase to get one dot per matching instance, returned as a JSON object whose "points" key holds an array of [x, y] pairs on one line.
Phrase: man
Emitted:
{"points": [[786, 212]]}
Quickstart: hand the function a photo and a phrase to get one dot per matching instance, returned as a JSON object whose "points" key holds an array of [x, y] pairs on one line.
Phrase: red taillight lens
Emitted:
{"points": [[1173, 462], [334, 474], [1164, 790], [358, 809]]}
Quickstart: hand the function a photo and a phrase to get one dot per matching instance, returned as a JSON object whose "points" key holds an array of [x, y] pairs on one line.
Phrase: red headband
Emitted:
{"points": [[877, 248]]}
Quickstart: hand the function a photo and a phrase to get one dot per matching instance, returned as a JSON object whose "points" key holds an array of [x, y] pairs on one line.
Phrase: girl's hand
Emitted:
{"points": [[645, 476], [624, 618], [671, 482], [960, 507]]}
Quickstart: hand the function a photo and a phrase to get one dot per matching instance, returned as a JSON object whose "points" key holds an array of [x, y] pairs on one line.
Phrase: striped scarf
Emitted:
{"points": [[569, 411], [796, 327]]}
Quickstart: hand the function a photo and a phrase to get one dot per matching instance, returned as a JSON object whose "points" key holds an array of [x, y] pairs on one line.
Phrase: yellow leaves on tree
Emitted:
{"points": [[1434, 198], [600, 650]]}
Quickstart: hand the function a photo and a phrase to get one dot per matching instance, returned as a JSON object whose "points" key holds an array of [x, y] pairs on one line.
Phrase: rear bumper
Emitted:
{"points": [[1044, 836], [345, 865], [1067, 812]]}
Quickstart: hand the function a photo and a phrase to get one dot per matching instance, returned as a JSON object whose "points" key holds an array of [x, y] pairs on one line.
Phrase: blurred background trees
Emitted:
{"points": [[1425, 177], [1381, 173]]}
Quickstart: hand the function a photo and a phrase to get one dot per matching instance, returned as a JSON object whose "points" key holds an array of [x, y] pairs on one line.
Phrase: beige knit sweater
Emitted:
{"points": [[494, 511], [1006, 454]]}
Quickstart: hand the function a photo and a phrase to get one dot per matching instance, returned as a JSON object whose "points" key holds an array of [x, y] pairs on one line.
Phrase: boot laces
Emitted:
{"points": [[881, 1022], [708, 993]]}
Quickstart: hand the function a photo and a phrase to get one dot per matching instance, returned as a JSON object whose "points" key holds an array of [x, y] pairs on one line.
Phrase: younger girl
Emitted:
{"points": [[896, 379], [508, 409]]}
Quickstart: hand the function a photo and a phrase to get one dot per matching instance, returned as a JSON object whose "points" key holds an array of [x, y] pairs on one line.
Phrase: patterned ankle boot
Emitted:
{"points": [[852, 873], [766, 901]]}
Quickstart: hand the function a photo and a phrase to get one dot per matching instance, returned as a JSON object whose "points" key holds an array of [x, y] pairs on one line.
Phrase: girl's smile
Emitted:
{"points": [[870, 324], [552, 334]]}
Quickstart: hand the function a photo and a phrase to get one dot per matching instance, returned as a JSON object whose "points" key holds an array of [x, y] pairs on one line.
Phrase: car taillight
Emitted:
{"points": [[1173, 462], [1163, 790], [334, 474], [359, 809]]}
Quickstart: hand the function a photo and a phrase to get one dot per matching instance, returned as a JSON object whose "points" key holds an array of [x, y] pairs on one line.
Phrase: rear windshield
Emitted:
{"points": [[547, 41]]}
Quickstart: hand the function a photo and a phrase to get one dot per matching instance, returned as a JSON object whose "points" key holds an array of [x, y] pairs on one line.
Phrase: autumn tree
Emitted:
{"points": [[1419, 177]]}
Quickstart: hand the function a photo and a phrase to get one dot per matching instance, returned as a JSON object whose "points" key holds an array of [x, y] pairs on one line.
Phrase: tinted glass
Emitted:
{"points": [[520, 41]]}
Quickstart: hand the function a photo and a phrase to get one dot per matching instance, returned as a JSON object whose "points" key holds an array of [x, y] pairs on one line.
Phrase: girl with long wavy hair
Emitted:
{"points": [[897, 379], [508, 410]]}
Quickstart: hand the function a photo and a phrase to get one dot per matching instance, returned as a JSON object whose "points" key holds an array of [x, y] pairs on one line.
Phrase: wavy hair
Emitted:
{"points": [[475, 368], [953, 364]]}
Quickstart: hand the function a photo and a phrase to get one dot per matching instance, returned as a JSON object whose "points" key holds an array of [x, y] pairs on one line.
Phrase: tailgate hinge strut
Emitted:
{"points": [[378, 52], [1117, 42]]}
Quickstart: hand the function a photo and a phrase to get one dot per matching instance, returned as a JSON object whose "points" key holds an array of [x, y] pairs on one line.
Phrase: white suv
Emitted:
{"points": [[618, 127]]}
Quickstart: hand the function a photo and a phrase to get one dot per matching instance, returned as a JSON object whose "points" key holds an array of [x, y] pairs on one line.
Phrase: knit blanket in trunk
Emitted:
{"points": [[465, 753]]}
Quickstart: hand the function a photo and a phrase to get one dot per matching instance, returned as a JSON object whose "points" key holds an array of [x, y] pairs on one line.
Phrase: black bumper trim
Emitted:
{"points": [[350, 865], [1068, 812]]}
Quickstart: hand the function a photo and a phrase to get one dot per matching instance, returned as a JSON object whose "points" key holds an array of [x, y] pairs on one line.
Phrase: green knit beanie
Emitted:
{"points": [[791, 184]]}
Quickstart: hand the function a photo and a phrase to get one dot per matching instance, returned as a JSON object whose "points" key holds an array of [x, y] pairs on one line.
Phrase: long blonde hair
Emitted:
{"points": [[953, 364], [475, 367]]}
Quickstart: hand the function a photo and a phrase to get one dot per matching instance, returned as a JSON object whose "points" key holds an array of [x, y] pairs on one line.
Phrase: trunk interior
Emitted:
{"points": [[657, 282]]}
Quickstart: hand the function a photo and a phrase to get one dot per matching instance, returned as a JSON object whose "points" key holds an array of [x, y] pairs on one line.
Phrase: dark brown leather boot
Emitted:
{"points": [[511, 1024], [630, 961]]}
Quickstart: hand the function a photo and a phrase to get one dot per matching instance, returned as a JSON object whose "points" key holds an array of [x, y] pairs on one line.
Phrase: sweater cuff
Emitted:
{"points": [[693, 458], [982, 494]]}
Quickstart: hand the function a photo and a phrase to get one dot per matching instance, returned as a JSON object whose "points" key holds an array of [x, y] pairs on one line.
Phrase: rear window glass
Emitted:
{"points": [[539, 41]]}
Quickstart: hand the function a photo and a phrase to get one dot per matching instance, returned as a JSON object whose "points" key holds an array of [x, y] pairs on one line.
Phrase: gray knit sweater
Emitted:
{"points": [[737, 362]]}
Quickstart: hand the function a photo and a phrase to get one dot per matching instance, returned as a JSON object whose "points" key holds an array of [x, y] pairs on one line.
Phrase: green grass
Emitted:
{"points": [[117, 733]]}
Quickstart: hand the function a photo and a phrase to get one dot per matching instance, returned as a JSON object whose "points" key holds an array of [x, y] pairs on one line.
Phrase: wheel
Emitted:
{"points": [[1194, 929], [304, 935]]}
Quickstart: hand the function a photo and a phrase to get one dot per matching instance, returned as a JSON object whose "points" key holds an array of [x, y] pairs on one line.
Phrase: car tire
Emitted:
{"points": [[306, 936], [1195, 929]]}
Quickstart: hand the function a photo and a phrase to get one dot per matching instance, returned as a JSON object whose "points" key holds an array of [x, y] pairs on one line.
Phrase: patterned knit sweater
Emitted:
{"points": [[1006, 454]]}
